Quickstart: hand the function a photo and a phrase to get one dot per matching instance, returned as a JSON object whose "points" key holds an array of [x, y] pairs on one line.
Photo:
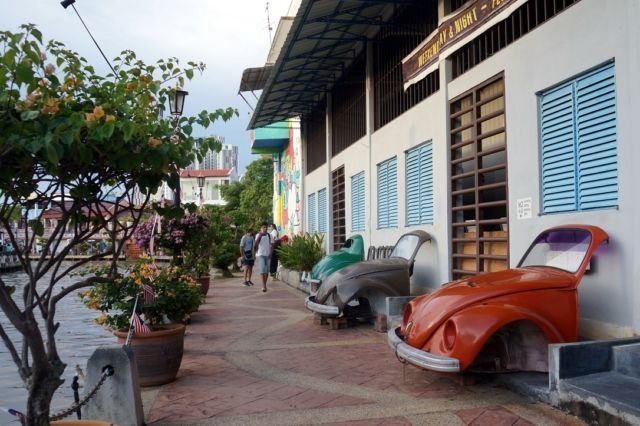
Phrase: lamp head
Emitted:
{"points": [[176, 101]]}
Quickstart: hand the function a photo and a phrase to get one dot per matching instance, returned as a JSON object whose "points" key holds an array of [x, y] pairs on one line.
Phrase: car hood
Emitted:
{"points": [[333, 262], [428, 312], [357, 270]]}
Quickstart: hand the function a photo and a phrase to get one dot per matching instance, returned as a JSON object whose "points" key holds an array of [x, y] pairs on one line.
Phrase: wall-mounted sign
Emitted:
{"points": [[462, 23], [524, 207]]}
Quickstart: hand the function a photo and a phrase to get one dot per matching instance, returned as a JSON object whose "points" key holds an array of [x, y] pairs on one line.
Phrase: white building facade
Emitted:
{"points": [[499, 120]]}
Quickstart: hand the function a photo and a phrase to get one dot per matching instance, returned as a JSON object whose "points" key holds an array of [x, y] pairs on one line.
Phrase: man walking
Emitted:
{"points": [[246, 252], [263, 252]]}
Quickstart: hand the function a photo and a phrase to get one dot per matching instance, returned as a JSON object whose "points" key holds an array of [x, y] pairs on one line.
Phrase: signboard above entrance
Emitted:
{"points": [[424, 59]]}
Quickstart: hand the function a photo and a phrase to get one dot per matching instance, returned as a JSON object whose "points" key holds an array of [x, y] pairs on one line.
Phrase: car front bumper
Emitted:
{"points": [[328, 310], [421, 358]]}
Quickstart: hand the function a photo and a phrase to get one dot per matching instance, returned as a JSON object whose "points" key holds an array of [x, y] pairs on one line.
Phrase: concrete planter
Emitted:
{"points": [[204, 281], [294, 279]]}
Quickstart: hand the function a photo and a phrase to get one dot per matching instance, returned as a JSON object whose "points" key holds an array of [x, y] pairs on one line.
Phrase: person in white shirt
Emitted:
{"points": [[263, 252]]}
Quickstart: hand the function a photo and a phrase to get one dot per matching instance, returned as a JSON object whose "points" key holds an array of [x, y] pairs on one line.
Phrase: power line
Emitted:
{"points": [[67, 3]]}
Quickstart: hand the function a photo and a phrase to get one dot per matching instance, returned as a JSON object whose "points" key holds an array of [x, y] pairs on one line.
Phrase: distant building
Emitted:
{"points": [[227, 158]]}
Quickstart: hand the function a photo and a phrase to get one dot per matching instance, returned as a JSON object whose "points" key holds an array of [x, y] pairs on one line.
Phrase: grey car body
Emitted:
{"points": [[362, 288]]}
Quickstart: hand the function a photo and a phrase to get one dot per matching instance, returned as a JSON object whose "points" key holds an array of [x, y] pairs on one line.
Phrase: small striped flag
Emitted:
{"points": [[139, 327], [148, 295]]}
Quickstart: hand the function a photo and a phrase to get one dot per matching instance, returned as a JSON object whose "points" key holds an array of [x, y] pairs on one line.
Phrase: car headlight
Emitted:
{"points": [[449, 335]]}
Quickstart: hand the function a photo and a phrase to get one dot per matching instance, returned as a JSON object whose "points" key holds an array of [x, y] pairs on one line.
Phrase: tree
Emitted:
{"points": [[92, 147], [250, 201]]}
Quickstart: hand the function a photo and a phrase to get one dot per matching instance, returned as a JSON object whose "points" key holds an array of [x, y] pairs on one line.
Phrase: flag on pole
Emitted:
{"points": [[147, 294], [139, 327]]}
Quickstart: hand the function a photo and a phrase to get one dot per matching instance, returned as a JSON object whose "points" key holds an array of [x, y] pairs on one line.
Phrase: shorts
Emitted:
{"points": [[248, 259], [263, 264]]}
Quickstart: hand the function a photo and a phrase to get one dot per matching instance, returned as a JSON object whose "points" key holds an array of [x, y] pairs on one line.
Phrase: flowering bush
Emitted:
{"points": [[173, 233], [175, 295]]}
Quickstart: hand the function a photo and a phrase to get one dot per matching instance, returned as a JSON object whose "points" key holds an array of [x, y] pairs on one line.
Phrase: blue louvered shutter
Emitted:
{"points": [[393, 192], [311, 218], [383, 204], [597, 139], [322, 210], [420, 185], [357, 202], [558, 150], [579, 144], [387, 194]]}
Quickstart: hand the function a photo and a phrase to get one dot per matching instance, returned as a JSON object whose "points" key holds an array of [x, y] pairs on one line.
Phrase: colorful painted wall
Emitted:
{"points": [[287, 183]]}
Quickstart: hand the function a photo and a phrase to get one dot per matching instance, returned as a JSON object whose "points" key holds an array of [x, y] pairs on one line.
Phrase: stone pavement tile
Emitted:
{"points": [[390, 421], [491, 416]]}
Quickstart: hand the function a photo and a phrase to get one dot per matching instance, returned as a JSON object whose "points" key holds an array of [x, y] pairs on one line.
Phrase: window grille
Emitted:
{"points": [[339, 221], [523, 20], [348, 109], [479, 200], [316, 135], [413, 24]]}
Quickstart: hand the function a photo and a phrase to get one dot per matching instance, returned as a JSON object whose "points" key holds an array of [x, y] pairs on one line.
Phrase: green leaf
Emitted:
{"points": [[24, 73], [189, 73], [37, 227], [29, 115], [9, 58], [127, 130], [107, 130], [187, 129], [52, 154]]}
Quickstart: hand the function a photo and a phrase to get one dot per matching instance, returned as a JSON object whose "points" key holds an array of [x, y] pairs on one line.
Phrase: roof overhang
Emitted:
{"points": [[326, 37], [270, 139]]}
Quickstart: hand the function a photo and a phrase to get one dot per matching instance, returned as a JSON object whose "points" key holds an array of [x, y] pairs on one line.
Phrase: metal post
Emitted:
{"points": [[76, 397]]}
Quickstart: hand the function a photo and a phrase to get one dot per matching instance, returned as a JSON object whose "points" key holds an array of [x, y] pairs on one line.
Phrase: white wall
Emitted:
{"points": [[584, 36]]}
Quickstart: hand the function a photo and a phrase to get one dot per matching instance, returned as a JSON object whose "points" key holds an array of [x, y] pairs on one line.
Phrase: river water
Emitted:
{"points": [[77, 337]]}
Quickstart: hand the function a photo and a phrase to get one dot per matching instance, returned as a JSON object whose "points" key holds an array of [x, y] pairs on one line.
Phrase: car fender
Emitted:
{"points": [[349, 289], [475, 326]]}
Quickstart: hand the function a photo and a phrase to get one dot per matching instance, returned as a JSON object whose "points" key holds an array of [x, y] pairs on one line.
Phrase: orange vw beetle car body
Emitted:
{"points": [[502, 321]]}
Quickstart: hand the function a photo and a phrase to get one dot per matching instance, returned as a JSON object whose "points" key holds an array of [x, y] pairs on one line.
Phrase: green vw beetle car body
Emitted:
{"points": [[351, 252]]}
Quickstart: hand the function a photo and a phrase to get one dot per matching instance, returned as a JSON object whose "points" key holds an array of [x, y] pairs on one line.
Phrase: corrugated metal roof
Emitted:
{"points": [[254, 78], [324, 40]]}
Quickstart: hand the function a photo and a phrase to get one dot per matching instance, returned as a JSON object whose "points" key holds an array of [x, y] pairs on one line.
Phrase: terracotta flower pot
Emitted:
{"points": [[158, 354], [204, 281]]}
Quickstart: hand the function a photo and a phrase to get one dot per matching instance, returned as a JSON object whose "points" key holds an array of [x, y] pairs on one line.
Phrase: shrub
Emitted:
{"points": [[303, 252]]}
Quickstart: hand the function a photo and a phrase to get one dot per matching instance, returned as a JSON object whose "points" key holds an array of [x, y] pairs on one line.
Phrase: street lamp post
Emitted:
{"points": [[176, 106], [201, 180]]}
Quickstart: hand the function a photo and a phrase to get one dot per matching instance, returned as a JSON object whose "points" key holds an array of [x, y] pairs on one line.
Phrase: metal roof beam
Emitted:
{"points": [[315, 81]]}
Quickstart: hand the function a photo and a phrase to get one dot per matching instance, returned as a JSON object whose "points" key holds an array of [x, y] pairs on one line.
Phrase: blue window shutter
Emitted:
{"points": [[426, 184], [312, 212], [597, 139], [420, 185], [393, 192], [557, 129], [387, 194], [413, 187], [383, 205], [322, 210], [357, 202]]}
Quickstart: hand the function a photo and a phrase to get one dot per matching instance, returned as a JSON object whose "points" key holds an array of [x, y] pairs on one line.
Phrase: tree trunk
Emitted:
{"points": [[42, 387]]}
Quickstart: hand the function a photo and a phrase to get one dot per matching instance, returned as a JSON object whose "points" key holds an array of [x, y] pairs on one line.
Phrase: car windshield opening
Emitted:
{"points": [[563, 249], [405, 246]]}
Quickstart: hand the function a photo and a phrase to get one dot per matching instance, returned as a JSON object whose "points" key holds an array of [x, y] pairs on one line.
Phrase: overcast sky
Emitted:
{"points": [[228, 36]]}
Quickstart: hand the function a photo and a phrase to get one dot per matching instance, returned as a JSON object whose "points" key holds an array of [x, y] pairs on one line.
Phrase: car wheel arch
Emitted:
{"points": [[493, 322]]}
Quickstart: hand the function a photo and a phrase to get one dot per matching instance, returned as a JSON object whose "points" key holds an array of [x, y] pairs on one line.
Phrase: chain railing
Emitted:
{"points": [[106, 372]]}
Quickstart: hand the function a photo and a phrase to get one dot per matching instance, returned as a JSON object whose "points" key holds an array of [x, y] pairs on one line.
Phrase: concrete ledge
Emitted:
{"points": [[395, 310], [293, 279]]}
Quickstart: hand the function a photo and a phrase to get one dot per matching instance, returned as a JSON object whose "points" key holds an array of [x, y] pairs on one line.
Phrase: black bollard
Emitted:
{"points": [[75, 386]]}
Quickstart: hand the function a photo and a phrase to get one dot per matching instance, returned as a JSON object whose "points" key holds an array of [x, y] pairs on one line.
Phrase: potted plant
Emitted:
{"points": [[222, 242], [163, 298], [92, 148], [302, 252]]}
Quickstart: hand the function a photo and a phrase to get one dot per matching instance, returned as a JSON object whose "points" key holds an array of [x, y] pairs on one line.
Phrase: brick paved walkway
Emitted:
{"points": [[254, 358]]}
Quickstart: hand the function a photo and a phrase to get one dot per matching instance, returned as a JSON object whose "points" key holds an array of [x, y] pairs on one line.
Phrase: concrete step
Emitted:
{"points": [[603, 398], [626, 360]]}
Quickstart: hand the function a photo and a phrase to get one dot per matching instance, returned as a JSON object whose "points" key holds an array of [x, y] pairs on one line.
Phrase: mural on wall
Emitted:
{"points": [[287, 206]]}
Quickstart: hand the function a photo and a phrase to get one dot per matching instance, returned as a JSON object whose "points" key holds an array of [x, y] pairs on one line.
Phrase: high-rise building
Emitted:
{"points": [[227, 158]]}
